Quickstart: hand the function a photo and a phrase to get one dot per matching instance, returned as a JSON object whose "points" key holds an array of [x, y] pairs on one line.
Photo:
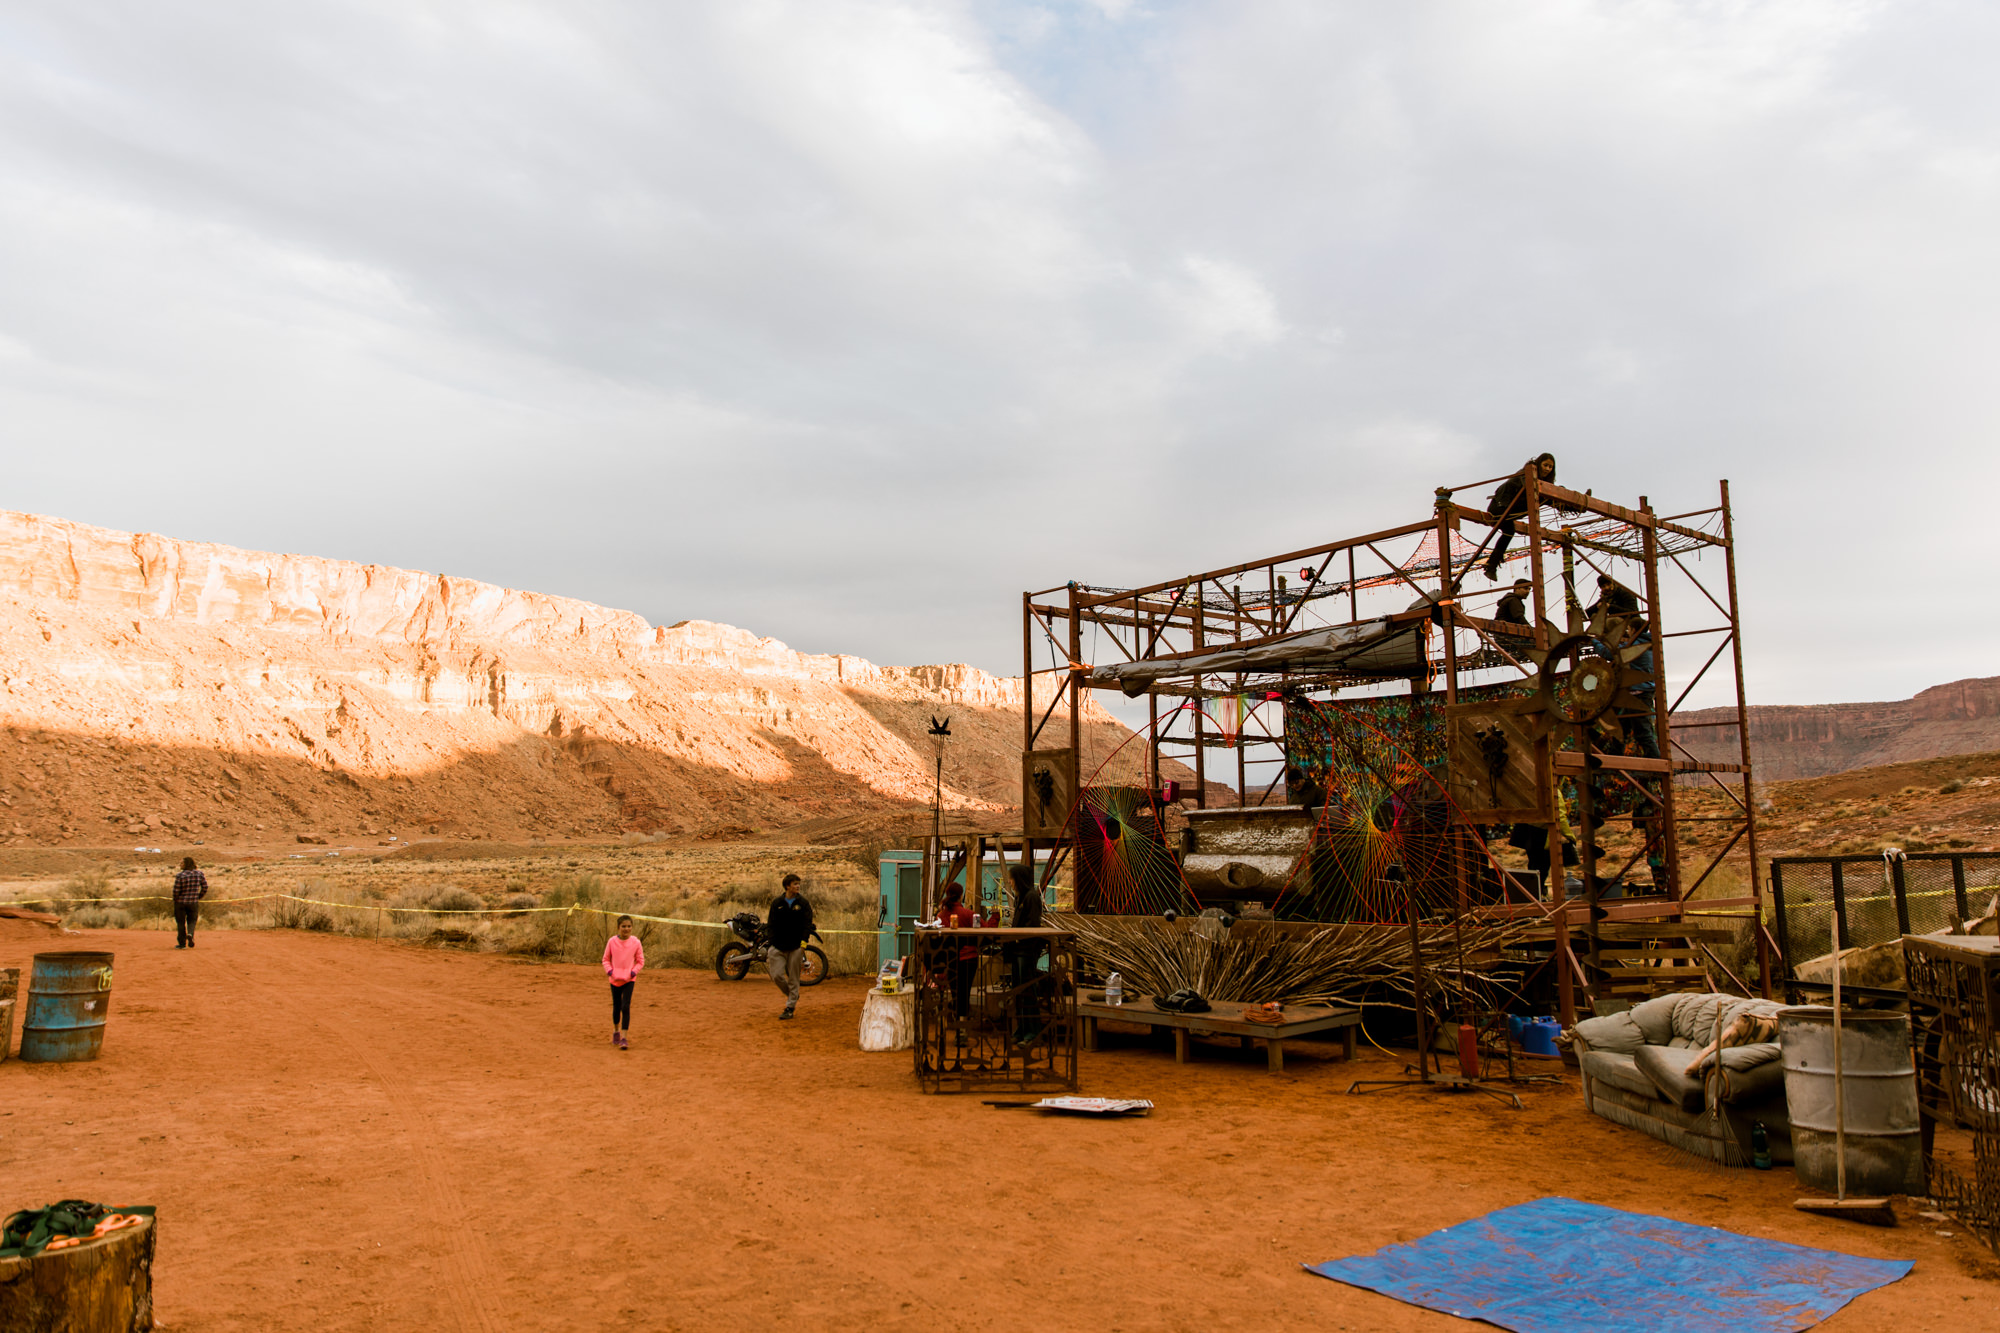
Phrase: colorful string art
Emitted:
{"points": [[1376, 805], [1123, 863]]}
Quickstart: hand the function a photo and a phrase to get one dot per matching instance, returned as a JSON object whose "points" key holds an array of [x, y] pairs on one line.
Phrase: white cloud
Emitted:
{"points": [[845, 319], [1225, 305]]}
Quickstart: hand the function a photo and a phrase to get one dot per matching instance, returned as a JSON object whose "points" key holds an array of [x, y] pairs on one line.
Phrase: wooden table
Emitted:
{"points": [[1301, 1020]]}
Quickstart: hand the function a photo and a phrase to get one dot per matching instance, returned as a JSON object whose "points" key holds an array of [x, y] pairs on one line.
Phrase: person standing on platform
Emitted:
{"points": [[953, 914], [790, 925], [190, 887], [1509, 505], [624, 960]]}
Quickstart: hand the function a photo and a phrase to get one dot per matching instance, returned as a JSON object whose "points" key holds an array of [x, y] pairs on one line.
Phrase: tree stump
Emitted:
{"points": [[887, 1021], [100, 1286]]}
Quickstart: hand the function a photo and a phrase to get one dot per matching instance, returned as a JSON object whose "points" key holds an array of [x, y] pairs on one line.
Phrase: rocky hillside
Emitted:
{"points": [[175, 691], [1815, 740]]}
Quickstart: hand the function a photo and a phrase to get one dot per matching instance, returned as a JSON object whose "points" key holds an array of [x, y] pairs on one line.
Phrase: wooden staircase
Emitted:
{"points": [[1641, 959]]}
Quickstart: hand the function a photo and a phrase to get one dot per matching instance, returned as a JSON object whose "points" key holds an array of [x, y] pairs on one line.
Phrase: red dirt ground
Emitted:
{"points": [[353, 1134]]}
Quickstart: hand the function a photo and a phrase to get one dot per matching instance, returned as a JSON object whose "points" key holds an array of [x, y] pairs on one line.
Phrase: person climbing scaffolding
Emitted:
{"points": [[1509, 505]]}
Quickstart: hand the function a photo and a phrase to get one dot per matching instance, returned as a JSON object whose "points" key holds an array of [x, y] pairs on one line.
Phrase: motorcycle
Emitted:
{"points": [[753, 945]]}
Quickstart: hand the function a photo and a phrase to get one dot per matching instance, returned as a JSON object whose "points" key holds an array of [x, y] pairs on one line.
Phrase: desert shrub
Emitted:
{"points": [[287, 914], [520, 902], [98, 917], [92, 883], [451, 898], [1950, 788]]}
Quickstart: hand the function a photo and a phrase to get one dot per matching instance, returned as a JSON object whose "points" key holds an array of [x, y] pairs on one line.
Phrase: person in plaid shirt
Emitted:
{"points": [[190, 887]]}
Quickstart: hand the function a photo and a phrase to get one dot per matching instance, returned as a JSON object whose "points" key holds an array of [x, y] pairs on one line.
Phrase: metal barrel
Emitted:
{"points": [[69, 996], [1884, 1151]]}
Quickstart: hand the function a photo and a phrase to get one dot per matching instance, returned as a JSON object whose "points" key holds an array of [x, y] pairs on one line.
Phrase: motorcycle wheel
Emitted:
{"points": [[813, 968], [732, 962]]}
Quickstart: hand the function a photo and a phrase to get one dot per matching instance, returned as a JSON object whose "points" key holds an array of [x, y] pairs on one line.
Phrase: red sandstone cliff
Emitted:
{"points": [[177, 690], [1814, 740]]}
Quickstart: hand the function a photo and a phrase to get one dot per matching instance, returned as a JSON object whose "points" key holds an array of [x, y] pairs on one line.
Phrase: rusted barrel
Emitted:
{"points": [[1884, 1155], [69, 996]]}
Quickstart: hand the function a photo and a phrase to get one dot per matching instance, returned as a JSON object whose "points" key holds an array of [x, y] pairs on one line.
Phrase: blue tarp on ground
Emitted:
{"points": [[1558, 1265]]}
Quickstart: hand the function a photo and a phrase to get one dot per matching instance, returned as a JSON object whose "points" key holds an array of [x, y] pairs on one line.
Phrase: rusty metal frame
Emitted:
{"points": [[1180, 618]]}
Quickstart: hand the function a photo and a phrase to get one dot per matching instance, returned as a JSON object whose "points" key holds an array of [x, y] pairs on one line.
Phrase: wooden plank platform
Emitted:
{"points": [[1226, 1019]]}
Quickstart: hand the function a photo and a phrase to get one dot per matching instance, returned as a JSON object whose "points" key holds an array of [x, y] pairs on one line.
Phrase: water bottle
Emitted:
{"points": [[1114, 990], [1760, 1147]]}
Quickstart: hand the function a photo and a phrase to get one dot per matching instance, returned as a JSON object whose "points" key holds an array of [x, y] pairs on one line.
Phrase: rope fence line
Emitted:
{"points": [[420, 911]]}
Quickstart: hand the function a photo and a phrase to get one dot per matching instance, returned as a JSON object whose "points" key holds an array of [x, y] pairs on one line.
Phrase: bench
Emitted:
{"points": [[1302, 1020]]}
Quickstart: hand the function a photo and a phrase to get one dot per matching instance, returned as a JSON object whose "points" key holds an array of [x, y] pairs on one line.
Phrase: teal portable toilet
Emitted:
{"points": [[902, 904]]}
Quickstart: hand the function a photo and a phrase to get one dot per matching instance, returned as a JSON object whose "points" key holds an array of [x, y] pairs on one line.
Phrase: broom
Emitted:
{"points": [[1875, 1212]]}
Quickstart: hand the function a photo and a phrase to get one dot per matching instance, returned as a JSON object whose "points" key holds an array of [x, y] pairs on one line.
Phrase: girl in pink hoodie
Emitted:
{"points": [[624, 959]]}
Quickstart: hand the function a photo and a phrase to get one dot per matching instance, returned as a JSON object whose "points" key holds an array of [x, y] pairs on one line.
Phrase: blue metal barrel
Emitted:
{"points": [[69, 996]]}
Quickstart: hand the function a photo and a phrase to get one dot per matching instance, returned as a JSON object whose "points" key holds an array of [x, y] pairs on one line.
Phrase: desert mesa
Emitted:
{"points": [[187, 691]]}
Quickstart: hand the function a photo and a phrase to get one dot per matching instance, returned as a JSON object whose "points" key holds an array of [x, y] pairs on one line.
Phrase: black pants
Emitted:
{"points": [[1506, 526], [185, 915], [621, 1006], [962, 970]]}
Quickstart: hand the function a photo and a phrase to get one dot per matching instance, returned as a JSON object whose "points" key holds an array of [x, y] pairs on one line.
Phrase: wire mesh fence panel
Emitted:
{"points": [[1930, 895], [1876, 900], [1803, 892]]}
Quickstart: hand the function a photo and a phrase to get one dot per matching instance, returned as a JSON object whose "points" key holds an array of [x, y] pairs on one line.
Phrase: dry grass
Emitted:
{"points": [[542, 906]]}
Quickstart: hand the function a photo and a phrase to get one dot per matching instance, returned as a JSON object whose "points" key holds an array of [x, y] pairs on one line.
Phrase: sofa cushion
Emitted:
{"points": [[1617, 1069], [1742, 1059], [1613, 1032], [1655, 1018], [1665, 1068], [1760, 1082]]}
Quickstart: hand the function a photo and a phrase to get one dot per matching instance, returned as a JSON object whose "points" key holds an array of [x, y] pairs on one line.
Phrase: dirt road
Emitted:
{"points": [[354, 1134]]}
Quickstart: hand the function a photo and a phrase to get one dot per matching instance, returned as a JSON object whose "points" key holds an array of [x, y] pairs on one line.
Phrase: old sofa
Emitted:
{"points": [[1632, 1066]]}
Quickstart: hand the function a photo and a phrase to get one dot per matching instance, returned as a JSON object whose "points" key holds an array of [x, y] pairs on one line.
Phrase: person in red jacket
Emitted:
{"points": [[954, 914], [624, 960]]}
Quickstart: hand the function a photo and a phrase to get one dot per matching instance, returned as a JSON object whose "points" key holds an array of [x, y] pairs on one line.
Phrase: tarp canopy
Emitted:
{"points": [[1372, 648]]}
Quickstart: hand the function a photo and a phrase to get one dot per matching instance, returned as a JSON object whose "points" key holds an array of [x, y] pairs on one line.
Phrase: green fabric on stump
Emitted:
{"points": [[27, 1233]]}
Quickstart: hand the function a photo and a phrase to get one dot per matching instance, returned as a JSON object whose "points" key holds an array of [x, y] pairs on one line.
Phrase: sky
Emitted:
{"points": [[847, 321]]}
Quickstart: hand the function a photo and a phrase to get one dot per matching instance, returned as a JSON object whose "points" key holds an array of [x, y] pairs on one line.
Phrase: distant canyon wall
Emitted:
{"points": [[279, 691], [1815, 740]]}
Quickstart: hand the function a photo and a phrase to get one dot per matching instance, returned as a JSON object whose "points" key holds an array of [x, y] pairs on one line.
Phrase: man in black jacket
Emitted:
{"points": [[1509, 503], [1514, 606], [790, 925]]}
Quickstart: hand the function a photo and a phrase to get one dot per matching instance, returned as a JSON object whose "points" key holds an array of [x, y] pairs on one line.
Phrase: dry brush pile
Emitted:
{"points": [[1254, 962]]}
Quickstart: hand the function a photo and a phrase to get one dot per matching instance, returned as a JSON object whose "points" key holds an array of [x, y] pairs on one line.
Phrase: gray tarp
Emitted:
{"points": [[1374, 647]]}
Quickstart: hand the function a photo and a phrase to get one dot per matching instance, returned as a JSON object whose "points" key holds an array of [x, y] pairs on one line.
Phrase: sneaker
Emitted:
{"points": [[623, 1045], [614, 1036], [787, 1013]]}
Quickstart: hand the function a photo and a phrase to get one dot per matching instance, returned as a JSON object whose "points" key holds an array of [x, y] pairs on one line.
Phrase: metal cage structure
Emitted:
{"points": [[1572, 708], [995, 1010], [1954, 998]]}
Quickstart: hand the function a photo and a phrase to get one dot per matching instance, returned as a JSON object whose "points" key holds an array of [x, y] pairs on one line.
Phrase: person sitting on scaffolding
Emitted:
{"points": [[1513, 608], [1508, 505]]}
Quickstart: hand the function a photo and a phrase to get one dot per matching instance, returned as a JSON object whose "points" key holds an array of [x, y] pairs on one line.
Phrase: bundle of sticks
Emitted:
{"points": [[1256, 962]]}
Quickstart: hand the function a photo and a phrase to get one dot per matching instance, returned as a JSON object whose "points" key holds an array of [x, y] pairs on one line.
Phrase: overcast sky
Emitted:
{"points": [[846, 322]]}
